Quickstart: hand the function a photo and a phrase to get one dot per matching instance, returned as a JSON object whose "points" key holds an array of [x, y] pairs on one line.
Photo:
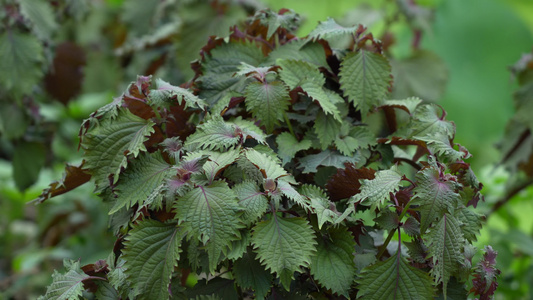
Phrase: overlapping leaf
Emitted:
{"points": [[66, 286], [376, 191], [165, 94], [268, 102], [330, 29], [41, 17], [288, 146], [284, 245], [215, 134], [249, 273]]}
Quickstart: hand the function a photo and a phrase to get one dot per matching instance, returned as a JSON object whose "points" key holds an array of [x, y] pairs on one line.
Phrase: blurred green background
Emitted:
{"points": [[477, 41]]}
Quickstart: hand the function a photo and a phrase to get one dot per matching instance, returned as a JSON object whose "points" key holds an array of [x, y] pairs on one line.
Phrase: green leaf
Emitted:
{"points": [[28, 159], [291, 193], [330, 29], [117, 277], [327, 128], [215, 134], [326, 158], [214, 289], [253, 201], [409, 105], [267, 102], [351, 138], [41, 17], [445, 243], [427, 122], [211, 215], [250, 274], [141, 182], [249, 129], [394, 279], [387, 220], [166, 94], [67, 286], [434, 196], [106, 292], [333, 265], [288, 20], [152, 250], [295, 72], [269, 167], [301, 50], [288, 146], [21, 56], [324, 209], [365, 78], [108, 144], [284, 245], [218, 69], [375, 192], [471, 222], [424, 75], [439, 144]]}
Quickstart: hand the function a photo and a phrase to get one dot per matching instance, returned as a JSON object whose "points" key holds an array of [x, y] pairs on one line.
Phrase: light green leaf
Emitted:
{"points": [[427, 122], [67, 286], [21, 56], [41, 17], [296, 72], [249, 129], [284, 245], [117, 277], [250, 274], [434, 196], [211, 215], [320, 203], [166, 94], [269, 167], [351, 138], [333, 265], [327, 128], [152, 250], [267, 102], [253, 201], [215, 134], [365, 78], [273, 20], [109, 143], [288, 146], [439, 144], [471, 222], [375, 192], [330, 29], [141, 181], [302, 50], [394, 279], [409, 105], [216, 161], [290, 192], [445, 243]]}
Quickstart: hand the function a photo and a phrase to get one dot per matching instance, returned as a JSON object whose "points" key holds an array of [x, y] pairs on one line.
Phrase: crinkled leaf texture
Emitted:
{"points": [[268, 102], [66, 286], [108, 143], [333, 265], [211, 214], [394, 279], [254, 202], [269, 167], [152, 250], [330, 29], [376, 191], [365, 78], [284, 245], [249, 273], [165, 94], [445, 242], [141, 181]]}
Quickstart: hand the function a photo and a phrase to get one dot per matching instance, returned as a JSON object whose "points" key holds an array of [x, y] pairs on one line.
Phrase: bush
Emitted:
{"points": [[280, 169]]}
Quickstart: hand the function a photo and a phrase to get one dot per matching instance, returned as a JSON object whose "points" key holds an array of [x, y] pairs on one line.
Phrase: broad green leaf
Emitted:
{"points": [[288, 20], [471, 222], [211, 215], [253, 201], [21, 56], [106, 291], [28, 159], [269, 167], [387, 220], [427, 122], [284, 245], [351, 138], [439, 144], [288, 146], [326, 158], [445, 243], [295, 72], [394, 279], [240, 246], [375, 192], [117, 277], [66, 286], [325, 98], [40, 15], [434, 196], [250, 274], [333, 265], [302, 50], [409, 105], [152, 250], [289, 191], [142, 181], [218, 161], [267, 102], [109, 143], [323, 208], [365, 78], [327, 128], [218, 69], [215, 134], [423, 75], [330, 29], [166, 94], [249, 129]]}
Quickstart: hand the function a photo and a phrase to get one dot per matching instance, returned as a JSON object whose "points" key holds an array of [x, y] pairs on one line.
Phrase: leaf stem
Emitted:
{"points": [[288, 123]]}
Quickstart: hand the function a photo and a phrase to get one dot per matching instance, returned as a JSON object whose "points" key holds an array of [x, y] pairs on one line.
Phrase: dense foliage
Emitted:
{"points": [[281, 168]]}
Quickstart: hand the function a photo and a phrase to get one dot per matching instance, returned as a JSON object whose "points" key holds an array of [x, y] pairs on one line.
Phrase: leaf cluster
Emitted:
{"points": [[282, 167]]}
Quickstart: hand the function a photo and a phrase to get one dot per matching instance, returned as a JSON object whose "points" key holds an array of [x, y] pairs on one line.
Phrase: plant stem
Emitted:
{"points": [[288, 123]]}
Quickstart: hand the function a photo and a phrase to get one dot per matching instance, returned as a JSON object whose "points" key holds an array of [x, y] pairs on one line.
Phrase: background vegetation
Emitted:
{"points": [[98, 47]]}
